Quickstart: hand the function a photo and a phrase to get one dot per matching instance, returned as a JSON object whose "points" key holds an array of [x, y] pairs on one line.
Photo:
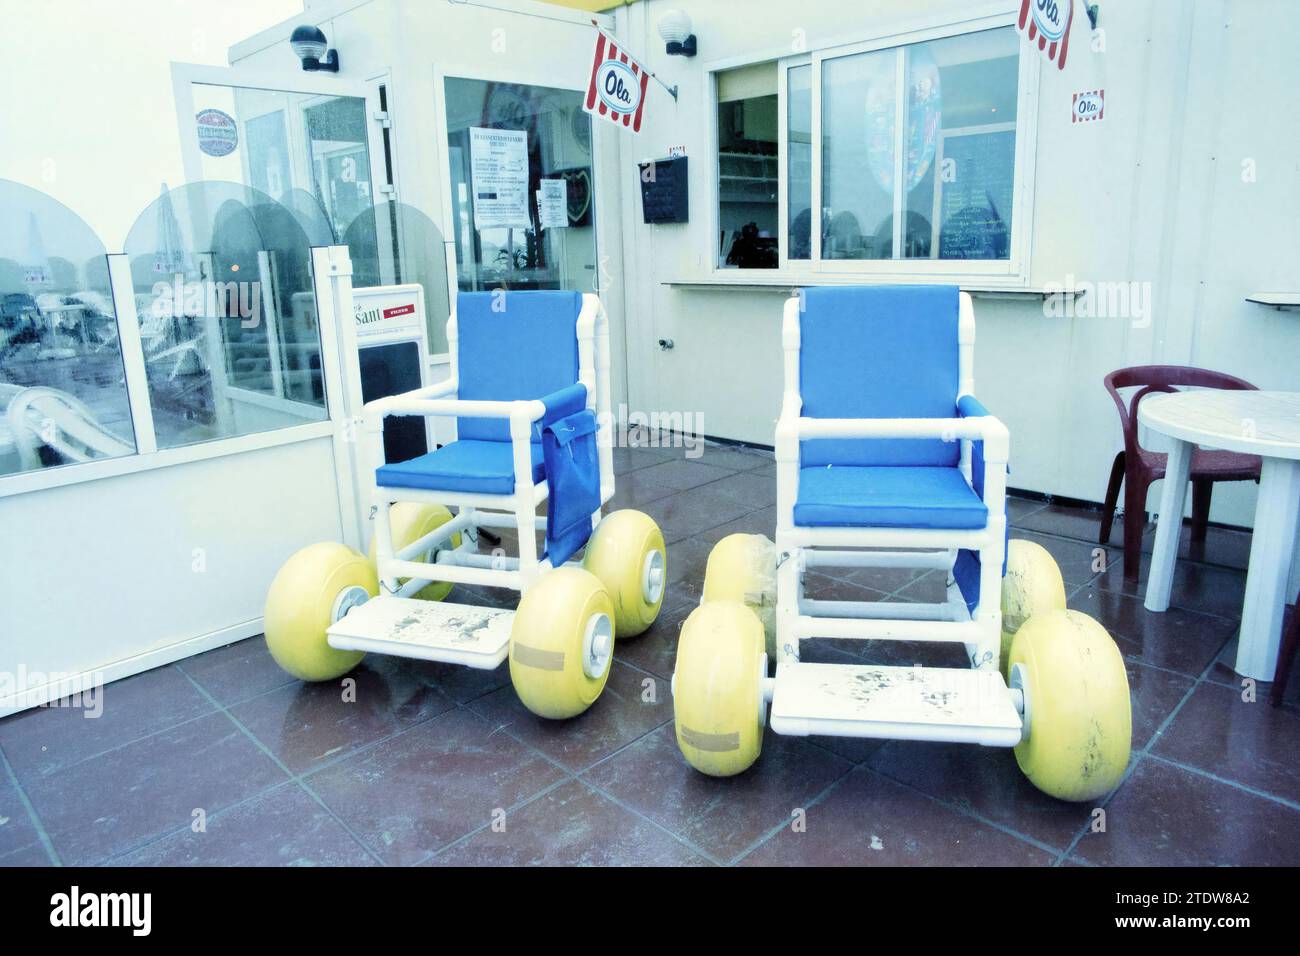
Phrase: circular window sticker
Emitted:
{"points": [[218, 133]]}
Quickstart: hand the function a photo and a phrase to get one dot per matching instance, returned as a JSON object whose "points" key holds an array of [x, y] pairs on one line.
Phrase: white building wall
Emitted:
{"points": [[1153, 193]]}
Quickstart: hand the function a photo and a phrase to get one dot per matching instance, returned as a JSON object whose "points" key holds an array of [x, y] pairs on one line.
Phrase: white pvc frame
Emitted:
{"points": [[800, 548], [464, 564]]}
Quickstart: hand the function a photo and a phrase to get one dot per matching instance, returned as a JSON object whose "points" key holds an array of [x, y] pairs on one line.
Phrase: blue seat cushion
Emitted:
{"points": [[879, 352], [512, 346], [483, 467], [855, 496]]}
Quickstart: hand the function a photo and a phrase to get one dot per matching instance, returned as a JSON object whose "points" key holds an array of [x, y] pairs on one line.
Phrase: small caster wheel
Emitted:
{"points": [[315, 588], [1076, 705], [719, 708], [1031, 585], [410, 522], [742, 567], [627, 553], [562, 643]]}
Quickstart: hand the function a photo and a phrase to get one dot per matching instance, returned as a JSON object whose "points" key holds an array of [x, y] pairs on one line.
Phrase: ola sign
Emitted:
{"points": [[1047, 25], [617, 87]]}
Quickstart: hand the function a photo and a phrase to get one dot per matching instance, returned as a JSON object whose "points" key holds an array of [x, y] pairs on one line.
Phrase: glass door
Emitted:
{"points": [[522, 187]]}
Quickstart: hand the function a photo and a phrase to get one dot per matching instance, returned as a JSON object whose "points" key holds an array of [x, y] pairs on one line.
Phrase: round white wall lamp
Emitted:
{"points": [[311, 47], [675, 28]]}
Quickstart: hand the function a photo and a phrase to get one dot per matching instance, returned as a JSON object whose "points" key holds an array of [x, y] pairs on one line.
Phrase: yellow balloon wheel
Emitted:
{"points": [[1079, 718], [411, 522], [1031, 586], [718, 704], [627, 553], [313, 588], [742, 567], [562, 643]]}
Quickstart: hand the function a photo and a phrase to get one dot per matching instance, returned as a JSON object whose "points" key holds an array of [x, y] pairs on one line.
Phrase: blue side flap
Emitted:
{"points": [[569, 447]]}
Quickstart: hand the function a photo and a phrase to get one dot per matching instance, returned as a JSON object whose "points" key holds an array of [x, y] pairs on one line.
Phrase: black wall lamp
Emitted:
{"points": [[310, 45], [675, 28]]}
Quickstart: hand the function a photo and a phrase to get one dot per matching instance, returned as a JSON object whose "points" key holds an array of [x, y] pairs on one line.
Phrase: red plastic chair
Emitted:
{"points": [[1136, 467]]}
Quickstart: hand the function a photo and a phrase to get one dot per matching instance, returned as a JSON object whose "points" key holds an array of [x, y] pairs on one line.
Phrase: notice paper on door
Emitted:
{"points": [[499, 173], [553, 204]]}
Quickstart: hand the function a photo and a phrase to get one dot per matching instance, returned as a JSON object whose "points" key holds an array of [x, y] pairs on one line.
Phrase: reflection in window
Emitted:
{"points": [[310, 153], [62, 384], [522, 192], [799, 161], [938, 184], [223, 293], [747, 167]]}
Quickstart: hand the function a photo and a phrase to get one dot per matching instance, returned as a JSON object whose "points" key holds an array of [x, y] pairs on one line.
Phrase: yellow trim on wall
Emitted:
{"points": [[594, 6]]}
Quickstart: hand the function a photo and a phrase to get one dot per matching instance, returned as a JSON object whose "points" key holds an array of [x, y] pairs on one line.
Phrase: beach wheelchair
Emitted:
{"points": [[530, 394], [885, 458]]}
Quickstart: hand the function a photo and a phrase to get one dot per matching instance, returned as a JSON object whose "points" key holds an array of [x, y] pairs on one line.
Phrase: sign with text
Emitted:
{"points": [[617, 88], [389, 311], [1088, 107], [553, 204], [498, 160], [1047, 25]]}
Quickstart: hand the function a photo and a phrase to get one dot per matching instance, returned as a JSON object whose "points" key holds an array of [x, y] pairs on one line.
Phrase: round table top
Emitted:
{"points": [[1255, 423]]}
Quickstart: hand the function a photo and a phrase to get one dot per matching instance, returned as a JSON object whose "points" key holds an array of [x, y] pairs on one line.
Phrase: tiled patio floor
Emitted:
{"points": [[442, 765]]}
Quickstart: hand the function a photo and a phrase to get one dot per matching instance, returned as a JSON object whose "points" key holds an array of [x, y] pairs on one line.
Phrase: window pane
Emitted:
{"points": [[62, 383], [799, 161], [504, 142], [858, 158], [223, 292], [961, 106], [748, 204]]}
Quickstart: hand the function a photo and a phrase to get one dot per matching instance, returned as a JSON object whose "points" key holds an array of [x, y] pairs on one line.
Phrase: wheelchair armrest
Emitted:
{"points": [[561, 403], [994, 434]]}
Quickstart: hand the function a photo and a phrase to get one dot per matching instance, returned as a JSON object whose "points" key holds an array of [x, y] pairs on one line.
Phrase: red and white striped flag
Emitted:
{"points": [[1047, 24], [618, 85]]}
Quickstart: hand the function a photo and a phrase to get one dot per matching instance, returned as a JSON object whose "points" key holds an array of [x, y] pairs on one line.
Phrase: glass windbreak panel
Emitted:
{"points": [[62, 383], [223, 292], [393, 244], [961, 103], [748, 203], [798, 100], [859, 104], [522, 186]]}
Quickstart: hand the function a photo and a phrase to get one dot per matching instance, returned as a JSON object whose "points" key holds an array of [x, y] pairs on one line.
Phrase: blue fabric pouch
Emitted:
{"points": [[573, 474]]}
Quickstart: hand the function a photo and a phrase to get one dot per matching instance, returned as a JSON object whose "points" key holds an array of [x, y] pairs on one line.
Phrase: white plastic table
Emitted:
{"points": [[1254, 423]]}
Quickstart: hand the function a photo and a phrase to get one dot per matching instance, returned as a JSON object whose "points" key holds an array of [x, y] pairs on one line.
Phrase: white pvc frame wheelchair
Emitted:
{"points": [[1060, 696], [463, 564], [801, 548], [559, 640]]}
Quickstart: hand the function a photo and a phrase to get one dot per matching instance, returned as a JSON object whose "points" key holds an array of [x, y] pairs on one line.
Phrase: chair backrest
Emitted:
{"points": [[879, 352], [512, 346], [1161, 378]]}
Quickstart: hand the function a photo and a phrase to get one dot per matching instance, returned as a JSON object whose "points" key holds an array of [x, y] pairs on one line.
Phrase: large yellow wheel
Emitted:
{"points": [[315, 588], [627, 553], [742, 567], [1077, 708], [411, 522], [718, 703], [1031, 586], [562, 643]]}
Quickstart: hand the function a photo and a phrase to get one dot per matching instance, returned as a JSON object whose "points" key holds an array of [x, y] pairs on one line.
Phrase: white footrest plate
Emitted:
{"points": [[905, 703], [427, 630]]}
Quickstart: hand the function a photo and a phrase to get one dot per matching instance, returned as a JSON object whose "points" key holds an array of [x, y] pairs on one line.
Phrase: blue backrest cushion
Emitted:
{"points": [[512, 346], [879, 352]]}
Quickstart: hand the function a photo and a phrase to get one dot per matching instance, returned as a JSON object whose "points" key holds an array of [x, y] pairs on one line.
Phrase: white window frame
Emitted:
{"points": [[1012, 272]]}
